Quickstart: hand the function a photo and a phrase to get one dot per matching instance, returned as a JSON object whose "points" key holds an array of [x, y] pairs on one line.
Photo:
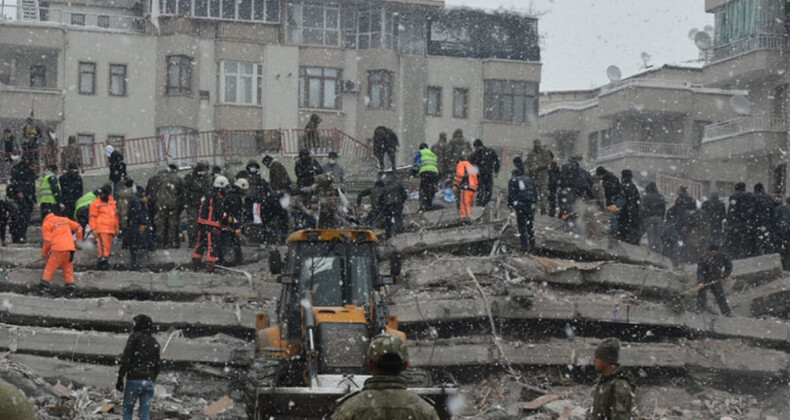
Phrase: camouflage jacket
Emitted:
{"points": [[538, 163], [614, 394], [385, 398]]}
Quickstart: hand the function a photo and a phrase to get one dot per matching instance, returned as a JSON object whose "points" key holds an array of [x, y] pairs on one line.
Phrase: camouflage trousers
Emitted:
{"points": [[542, 181]]}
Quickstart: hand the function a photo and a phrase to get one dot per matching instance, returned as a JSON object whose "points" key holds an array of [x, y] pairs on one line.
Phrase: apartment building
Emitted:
{"points": [[108, 71]]}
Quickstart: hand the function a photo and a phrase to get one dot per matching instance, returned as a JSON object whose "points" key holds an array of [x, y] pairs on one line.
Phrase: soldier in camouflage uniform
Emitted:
{"points": [[196, 183], [457, 148], [385, 396], [168, 201], [538, 164], [614, 390], [440, 149]]}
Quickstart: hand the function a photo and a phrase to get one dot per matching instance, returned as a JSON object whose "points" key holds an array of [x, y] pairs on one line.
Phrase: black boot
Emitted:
{"points": [[197, 264], [71, 290], [43, 288]]}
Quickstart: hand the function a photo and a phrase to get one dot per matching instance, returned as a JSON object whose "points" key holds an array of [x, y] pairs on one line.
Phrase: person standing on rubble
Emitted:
{"points": [[82, 208], [654, 208], [614, 199], [629, 223], [522, 197], [275, 207], [71, 190], [8, 214], [391, 201], [465, 188], [104, 225], [761, 229], [335, 170], [306, 168], [487, 162], [538, 164], [613, 398], [168, 198], [231, 235], [712, 270], [211, 218], [575, 183], [426, 165], [139, 367], [117, 169], [385, 394], [554, 181], [49, 192], [739, 216], [139, 227], [196, 184], [440, 150], [58, 247], [716, 211], [376, 214], [22, 190]]}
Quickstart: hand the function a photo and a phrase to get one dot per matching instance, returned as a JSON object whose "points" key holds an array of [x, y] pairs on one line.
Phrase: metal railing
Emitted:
{"points": [[671, 150], [668, 186], [74, 18], [569, 106], [742, 125], [649, 83], [758, 42], [28, 89]]}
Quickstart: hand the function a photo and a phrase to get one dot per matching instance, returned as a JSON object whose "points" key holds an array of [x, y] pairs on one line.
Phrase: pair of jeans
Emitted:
{"points": [[428, 183], [485, 189], [138, 389], [525, 219]]}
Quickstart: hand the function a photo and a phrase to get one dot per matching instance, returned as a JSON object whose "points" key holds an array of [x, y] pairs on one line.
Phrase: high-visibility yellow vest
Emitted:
{"points": [[47, 197], [84, 201], [428, 161]]}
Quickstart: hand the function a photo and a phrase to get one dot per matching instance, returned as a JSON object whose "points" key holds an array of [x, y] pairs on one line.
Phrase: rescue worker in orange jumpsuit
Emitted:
{"points": [[104, 225], [59, 246], [465, 187], [211, 219]]}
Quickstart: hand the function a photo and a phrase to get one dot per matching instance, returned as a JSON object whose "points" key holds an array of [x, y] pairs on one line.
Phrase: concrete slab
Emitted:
{"points": [[80, 374], [451, 270], [95, 345], [110, 312], [409, 243], [770, 299], [572, 246], [635, 277]]}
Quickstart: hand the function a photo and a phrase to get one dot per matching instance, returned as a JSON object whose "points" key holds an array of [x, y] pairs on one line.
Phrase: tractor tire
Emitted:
{"points": [[264, 372], [417, 378]]}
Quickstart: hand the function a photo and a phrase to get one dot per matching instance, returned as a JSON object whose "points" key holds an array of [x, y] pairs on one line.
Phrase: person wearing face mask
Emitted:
{"points": [[71, 190], [336, 170], [196, 183], [104, 225]]}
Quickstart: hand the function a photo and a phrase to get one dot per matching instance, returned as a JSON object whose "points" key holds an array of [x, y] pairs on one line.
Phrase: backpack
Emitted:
{"points": [[524, 190]]}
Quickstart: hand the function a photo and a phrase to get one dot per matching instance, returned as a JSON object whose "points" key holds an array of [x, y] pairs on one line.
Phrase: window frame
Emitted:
{"points": [[299, 26], [465, 92], [260, 10], [304, 87], [79, 17], [124, 79], [103, 21], [256, 85], [495, 101], [183, 64], [386, 82], [43, 74], [88, 159], [80, 72], [437, 91]]}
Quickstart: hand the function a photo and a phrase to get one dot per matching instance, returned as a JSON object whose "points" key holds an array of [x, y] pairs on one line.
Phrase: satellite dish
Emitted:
{"points": [[708, 29], [741, 105], [613, 73], [703, 41], [645, 58], [692, 33]]}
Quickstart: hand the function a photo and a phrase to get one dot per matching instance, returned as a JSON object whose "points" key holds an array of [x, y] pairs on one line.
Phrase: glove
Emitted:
{"points": [[142, 228], [238, 232], [119, 385], [230, 220], [565, 217], [613, 208]]}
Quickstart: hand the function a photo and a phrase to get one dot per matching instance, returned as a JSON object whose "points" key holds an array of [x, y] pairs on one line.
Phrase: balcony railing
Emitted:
{"points": [[670, 150], [569, 106], [26, 13], [759, 42], [650, 83], [743, 125]]}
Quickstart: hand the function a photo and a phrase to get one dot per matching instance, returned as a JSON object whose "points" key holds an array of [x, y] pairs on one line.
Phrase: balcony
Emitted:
{"points": [[643, 95], [747, 62], [752, 136], [759, 42], [642, 149], [31, 13], [16, 103]]}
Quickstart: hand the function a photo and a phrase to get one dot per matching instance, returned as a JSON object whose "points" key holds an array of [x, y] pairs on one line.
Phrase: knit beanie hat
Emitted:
{"points": [[609, 351]]}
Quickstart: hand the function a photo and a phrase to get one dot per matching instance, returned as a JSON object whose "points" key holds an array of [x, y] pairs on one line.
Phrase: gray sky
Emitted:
{"points": [[583, 37]]}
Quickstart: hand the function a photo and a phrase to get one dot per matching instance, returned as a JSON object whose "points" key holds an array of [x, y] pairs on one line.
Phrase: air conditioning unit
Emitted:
{"points": [[350, 86]]}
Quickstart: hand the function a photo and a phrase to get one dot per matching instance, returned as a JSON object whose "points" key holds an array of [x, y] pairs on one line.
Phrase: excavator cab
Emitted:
{"points": [[330, 307]]}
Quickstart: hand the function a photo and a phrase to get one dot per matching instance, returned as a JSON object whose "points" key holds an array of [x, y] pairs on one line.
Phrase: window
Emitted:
{"points": [[511, 101], [433, 106], [698, 133], [116, 141], [593, 145], [87, 81], [313, 24], [460, 103], [179, 75], [379, 89], [240, 83], [103, 21], [257, 10], [180, 145], [411, 36], [38, 76], [85, 142], [320, 87], [78, 19], [369, 29], [117, 80]]}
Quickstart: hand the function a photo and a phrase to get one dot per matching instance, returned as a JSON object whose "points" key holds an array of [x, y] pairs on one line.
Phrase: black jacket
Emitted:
{"points": [[24, 180], [71, 187], [741, 209], [306, 170], [8, 213], [713, 268], [612, 189], [117, 167], [577, 179], [212, 208], [686, 202], [654, 205], [140, 359], [486, 160], [554, 176], [716, 211], [234, 205], [763, 210], [393, 196]]}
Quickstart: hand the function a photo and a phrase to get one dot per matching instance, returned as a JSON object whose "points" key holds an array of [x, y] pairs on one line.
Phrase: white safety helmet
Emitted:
{"points": [[243, 184], [221, 182]]}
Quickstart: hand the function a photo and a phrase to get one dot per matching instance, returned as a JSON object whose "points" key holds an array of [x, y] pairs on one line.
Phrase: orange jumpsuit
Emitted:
{"points": [[104, 224], [466, 182], [59, 245]]}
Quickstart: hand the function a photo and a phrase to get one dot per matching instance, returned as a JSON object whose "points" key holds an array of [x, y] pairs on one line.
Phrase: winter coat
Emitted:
{"points": [[716, 211], [117, 167], [234, 205], [278, 177], [170, 192], [538, 163], [465, 176], [740, 211], [122, 206], [195, 186], [140, 358], [782, 221], [576, 179], [259, 188], [71, 154], [71, 187], [712, 268], [440, 149], [392, 196], [306, 170], [686, 201], [58, 232], [763, 210], [458, 149], [10, 146], [653, 205], [103, 216], [8, 213], [384, 398], [337, 171], [486, 160], [629, 214], [612, 189], [613, 397], [212, 209], [24, 180], [522, 192], [139, 216]]}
